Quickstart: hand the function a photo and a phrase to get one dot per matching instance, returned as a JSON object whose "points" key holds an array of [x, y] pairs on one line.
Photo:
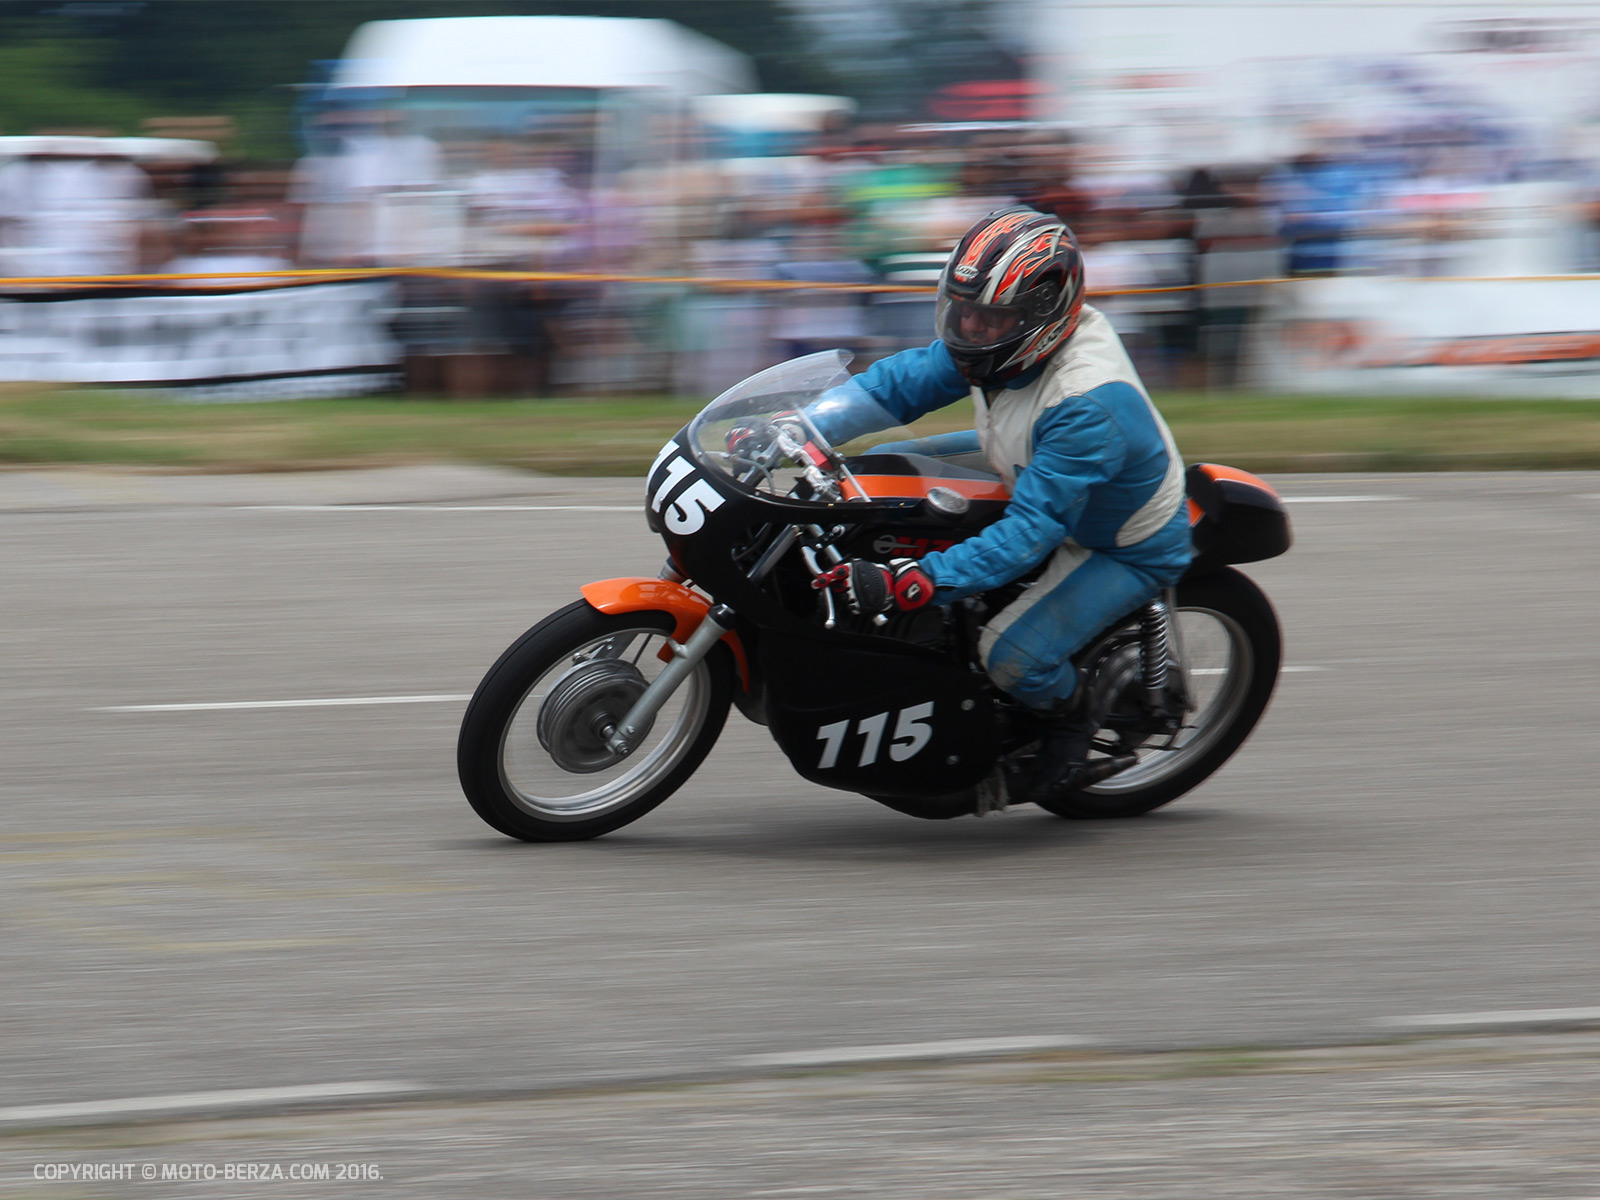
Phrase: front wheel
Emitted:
{"points": [[1230, 646], [532, 755]]}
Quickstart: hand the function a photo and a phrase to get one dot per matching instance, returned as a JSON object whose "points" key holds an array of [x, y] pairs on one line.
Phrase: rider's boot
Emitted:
{"points": [[1062, 762]]}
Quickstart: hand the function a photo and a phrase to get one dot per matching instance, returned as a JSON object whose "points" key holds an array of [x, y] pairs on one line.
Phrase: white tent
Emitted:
{"points": [[543, 52]]}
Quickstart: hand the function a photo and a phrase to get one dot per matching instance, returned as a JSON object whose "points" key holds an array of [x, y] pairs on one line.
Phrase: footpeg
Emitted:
{"points": [[1102, 769]]}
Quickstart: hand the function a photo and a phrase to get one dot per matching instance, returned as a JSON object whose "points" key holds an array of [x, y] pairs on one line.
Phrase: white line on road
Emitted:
{"points": [[1339, 499], [441, 507], [325, 702], [206, 1101], [911, 1051], [1282, 670], [441, 698], [1511, 1018]]}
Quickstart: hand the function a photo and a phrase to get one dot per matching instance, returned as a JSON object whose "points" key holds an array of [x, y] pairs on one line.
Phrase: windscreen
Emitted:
{"points": [[788, 431]]}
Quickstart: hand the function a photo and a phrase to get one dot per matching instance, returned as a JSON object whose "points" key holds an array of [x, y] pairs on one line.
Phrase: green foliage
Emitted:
{"points": [[48, 83], [111, 63]]}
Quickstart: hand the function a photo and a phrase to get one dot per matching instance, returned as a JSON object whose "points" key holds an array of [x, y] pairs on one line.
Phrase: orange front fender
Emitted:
{"points": [[688, 608]]}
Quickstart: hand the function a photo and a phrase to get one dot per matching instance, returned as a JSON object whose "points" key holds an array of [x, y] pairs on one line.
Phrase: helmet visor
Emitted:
{"points": [[966, 325]]}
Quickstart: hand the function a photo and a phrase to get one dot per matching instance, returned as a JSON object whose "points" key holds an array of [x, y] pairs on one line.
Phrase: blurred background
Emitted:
{"points": [[1388, 156]]}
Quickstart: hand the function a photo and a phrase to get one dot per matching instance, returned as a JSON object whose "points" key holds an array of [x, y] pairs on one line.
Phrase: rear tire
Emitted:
{"points": [[531, 756], [1251, 649]]}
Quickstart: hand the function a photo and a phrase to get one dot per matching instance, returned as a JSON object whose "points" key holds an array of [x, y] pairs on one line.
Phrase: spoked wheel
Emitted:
{"points": [[1229, 643], [533, 757]]}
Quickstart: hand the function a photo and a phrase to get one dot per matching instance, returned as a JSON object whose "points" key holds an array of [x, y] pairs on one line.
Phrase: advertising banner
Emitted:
{"points": [[280, 343], [1368, 334]]}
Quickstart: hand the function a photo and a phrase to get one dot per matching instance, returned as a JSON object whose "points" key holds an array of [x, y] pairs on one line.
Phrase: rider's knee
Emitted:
{"points": [[1038, 681]]}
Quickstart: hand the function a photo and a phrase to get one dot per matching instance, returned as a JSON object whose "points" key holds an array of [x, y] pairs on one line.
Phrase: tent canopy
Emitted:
{"points": [[552, 52]]}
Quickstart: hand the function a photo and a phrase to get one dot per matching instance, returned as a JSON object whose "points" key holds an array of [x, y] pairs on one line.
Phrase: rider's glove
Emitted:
{"points": [[755, 438], [746, 441], [878, 587]]}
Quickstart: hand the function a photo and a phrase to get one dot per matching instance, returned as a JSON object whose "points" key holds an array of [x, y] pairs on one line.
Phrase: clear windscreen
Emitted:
{"points": [[789, 430]]}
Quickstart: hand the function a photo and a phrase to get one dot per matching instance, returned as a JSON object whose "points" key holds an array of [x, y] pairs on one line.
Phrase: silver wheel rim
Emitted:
{"points": [[1220, 664], [540, 788]]}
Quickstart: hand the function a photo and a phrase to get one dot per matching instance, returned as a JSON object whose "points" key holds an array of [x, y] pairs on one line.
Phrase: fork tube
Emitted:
{"points": [[780, 547], [686, 657]]}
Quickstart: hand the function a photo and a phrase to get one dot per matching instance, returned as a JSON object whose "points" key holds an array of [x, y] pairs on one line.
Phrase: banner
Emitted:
{"points": [[1505, 337], [284, 343]]}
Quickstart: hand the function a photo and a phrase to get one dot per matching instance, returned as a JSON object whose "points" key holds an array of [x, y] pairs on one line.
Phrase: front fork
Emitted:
{"points": [[686, 656], [712, 628]]}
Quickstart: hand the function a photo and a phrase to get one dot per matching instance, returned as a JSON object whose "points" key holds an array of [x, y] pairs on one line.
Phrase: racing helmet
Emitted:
{"points": [[1010, 294]]}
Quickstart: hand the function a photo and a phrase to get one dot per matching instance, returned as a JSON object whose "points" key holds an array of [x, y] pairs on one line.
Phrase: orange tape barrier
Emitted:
{"points": [[289, 278]]}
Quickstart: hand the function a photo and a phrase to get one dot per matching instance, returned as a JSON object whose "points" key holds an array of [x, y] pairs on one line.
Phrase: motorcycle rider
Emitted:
{"points": [[1097, 484]]}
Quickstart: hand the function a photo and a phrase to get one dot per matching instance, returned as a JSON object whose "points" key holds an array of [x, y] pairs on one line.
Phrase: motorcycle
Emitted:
{"points": [[606, 707]]}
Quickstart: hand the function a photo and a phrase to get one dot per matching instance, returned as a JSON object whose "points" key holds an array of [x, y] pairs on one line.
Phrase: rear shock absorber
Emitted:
{"points": [[1153, 635]]}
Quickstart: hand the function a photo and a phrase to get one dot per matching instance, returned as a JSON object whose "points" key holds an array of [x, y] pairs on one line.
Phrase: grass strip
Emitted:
{"points": [[57, 426]]}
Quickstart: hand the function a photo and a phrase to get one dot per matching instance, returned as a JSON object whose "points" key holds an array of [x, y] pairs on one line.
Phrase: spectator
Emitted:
{"points": [[1049, 184], [216, 240], [69, 208], [1237, 240], [891, 195], [1323, 197], [720, 335], [365, 203], [807, 321], [521, 209]]}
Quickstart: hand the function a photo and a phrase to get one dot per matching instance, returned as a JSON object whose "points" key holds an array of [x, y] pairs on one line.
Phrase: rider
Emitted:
{"points": [[1096, 482]]}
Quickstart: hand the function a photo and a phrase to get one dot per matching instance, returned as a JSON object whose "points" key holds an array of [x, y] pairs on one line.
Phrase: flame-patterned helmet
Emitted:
{"points": [[1010, 294]]}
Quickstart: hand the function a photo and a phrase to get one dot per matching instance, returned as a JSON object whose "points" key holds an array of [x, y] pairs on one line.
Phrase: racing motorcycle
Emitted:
{"points": [[606, 707]]}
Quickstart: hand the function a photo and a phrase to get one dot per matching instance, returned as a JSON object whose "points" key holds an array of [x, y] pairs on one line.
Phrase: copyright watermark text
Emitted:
{"points": [[189, 1172]]}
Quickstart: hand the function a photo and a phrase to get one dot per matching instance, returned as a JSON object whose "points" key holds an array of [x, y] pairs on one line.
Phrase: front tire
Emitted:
{"points": [[1232, 647], [531, 755]]}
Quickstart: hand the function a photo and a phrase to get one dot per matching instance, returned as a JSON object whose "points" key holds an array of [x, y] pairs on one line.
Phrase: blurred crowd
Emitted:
{"points": [[851, 204]]}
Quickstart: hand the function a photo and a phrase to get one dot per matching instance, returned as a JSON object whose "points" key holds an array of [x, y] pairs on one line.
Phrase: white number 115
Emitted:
{"points": [[911, 735]]}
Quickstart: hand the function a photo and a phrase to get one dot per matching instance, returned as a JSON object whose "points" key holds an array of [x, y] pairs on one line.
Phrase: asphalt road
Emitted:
{"points": [[1462, 1119], [283, 897]]}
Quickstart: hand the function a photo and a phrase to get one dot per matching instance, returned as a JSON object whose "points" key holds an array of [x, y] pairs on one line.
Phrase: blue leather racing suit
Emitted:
{"points": [[1096, 488]]}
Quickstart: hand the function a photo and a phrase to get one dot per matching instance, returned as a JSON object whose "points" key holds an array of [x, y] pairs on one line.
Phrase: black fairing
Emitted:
{"points": [[1241, 522], [886, 720]]}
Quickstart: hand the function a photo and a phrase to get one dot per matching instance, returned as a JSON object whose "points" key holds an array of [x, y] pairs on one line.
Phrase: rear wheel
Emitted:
{"points": [[1230, 644], [532, 755]]}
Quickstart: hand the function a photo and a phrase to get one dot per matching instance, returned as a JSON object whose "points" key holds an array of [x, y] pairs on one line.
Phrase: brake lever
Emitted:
{"points": [[810, 557]]}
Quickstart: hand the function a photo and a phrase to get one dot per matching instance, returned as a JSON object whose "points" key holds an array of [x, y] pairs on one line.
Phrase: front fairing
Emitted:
{"points": [[716, 503], [891, 711], [715, 530]]}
